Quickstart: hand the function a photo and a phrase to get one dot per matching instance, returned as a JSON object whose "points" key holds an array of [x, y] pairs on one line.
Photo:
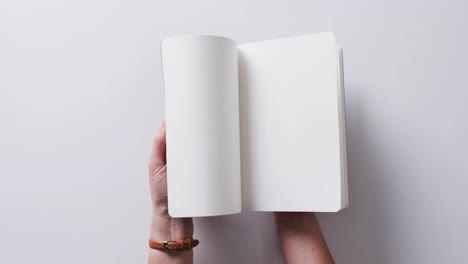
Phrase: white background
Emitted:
{"points": [[81, 96]]}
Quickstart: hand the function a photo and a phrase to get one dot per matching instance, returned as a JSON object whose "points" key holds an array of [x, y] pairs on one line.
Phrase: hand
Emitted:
{"points": [[158, 173], [300, 233], [301, 238], [163, 226]]}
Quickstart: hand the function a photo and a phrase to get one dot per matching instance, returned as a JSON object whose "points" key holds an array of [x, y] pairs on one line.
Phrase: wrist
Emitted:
{"points": [[164, 227]]}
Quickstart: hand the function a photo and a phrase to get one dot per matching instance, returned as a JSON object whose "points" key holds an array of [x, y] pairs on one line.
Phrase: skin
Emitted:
{"points": [[301, 238]]}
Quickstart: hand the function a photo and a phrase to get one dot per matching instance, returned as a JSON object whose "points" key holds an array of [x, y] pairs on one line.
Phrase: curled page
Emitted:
{"points": [[202, 118]]}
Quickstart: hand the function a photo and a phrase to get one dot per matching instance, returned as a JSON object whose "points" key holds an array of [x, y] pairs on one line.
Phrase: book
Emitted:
{"points": [[257, 126]]}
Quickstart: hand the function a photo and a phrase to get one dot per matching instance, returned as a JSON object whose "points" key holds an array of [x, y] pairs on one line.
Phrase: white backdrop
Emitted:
{"points": [[81, 96]]}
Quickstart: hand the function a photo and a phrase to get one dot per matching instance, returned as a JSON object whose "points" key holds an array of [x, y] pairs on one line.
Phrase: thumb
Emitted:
{"points": [[158, 153]]}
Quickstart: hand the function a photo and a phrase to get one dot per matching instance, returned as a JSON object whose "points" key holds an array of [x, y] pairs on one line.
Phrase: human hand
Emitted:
{"points": [[158, 173], [301, 238], [300, 233], [163, 226]]}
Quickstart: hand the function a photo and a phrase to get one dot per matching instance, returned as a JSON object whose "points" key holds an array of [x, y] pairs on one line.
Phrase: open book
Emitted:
{"points": [[257, 126]]}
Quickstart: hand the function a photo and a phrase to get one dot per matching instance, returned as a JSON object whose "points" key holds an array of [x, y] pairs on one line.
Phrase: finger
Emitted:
{"points": [[158, 153]]}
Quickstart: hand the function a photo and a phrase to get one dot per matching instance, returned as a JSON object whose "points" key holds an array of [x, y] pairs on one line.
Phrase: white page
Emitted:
{"points": [[342, 123], [290, 125], [202, 112]]}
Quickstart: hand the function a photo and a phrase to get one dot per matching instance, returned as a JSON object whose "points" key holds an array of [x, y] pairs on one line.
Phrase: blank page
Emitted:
{"points": [[202, 112], [291, 157]]}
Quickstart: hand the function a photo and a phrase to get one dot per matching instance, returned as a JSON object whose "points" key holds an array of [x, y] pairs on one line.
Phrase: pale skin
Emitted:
{"points": [[301, 238]]}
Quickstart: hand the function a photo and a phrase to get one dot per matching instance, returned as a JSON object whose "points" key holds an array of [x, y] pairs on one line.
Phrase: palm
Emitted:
{"points": [[158, 170]]}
